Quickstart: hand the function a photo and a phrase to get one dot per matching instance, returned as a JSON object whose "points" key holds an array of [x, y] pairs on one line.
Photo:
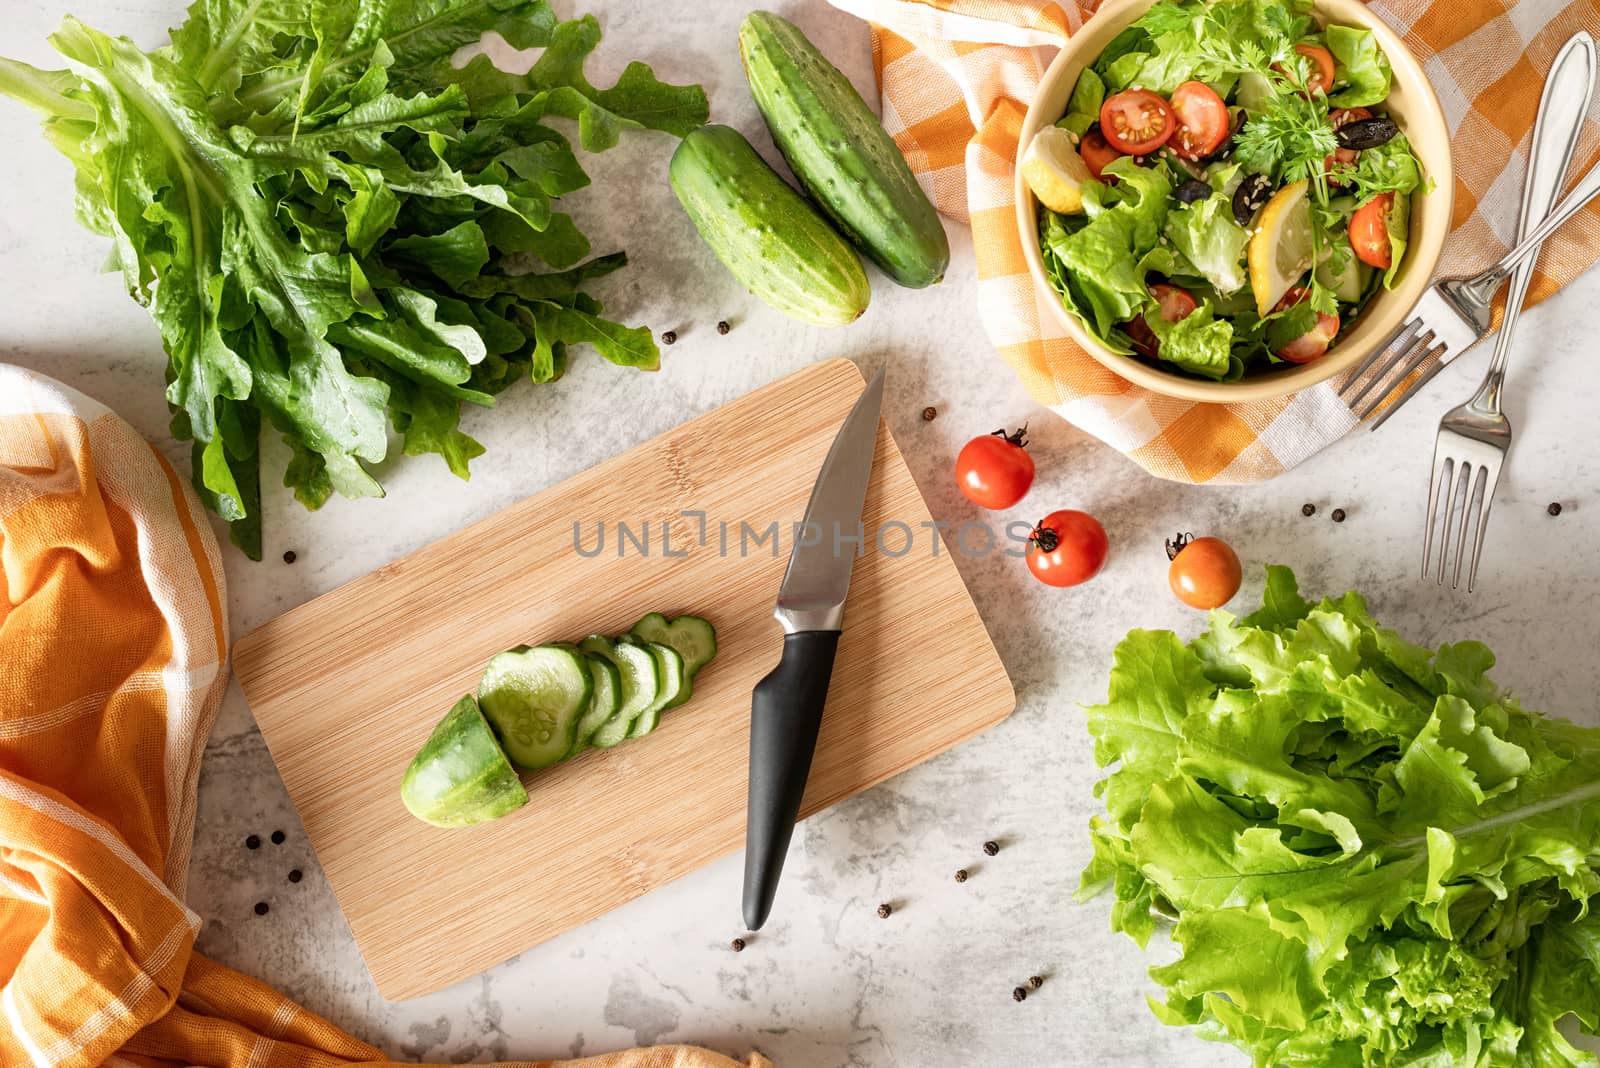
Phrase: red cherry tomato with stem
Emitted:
{"points": [[995, 470], [1203, 120], [1136, 121], [1312, 344], [1097, 154], [1067, 548], [1204, 573], [1369, 232]]}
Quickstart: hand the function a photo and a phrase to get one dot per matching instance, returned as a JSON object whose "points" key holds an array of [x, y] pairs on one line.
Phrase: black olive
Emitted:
{"points": [[1366, 133], [1250, 197], [1191, 191]]}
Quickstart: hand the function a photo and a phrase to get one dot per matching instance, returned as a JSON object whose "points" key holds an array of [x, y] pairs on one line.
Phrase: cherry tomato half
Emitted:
{"points": [[1174, 303], [1097, 155], [1067, 548], [1338, 118], [995, 471], [1203, 120], [1369, 232], [1321, 62], [1313, 343], [1136, 121], [1205, 572]]}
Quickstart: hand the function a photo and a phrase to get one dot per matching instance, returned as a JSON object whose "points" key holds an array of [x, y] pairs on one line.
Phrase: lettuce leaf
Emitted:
{"points": [[312, 202], [1374, 855], [1359, 65]]}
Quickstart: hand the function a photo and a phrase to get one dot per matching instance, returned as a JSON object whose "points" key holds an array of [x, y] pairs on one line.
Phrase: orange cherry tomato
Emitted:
{"points": [[1321, 60], [995, 471], [1067, 548], [1203, 120], [1312, 344], [1174, 303], [1136, 122], [1097, 154], [1205, 572], [1369, 232]]}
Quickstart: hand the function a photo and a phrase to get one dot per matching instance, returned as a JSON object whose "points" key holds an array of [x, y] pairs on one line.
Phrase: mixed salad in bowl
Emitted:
{"points": [[1226, 191]]}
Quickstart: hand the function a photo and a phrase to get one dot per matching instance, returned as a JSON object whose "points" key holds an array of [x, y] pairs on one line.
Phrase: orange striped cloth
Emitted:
{"points": [[113, 641], [957, 77]]}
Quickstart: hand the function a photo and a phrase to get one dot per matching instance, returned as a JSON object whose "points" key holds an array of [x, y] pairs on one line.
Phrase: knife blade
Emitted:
{"points": [[786, 706]]}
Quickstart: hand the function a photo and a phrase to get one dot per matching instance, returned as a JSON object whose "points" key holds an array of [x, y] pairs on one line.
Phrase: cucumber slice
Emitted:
{"points": [[641, 684], [461, 776], [603, 705], [693, 638], [534, 698], [673, 679]]}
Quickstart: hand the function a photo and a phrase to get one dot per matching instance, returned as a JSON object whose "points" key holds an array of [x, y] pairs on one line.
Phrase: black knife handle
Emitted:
{"points": [[785, 715]]}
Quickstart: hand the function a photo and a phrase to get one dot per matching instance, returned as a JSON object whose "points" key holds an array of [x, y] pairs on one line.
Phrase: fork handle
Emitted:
{"points": [[1586, 189], [1555, 136]]}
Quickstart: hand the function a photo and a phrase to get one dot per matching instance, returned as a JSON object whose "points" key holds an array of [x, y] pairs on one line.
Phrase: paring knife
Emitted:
{"points": [[786, 708]]}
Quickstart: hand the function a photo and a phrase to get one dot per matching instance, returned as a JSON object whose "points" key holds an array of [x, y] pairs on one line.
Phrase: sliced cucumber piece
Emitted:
{"points": [[641, 684], [605, 702], [461, 776], [693, 638], [534, 698], [673, 680]]}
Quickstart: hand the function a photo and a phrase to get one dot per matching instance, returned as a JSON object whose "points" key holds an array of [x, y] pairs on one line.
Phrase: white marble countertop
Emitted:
{"points": [[828, 983]]}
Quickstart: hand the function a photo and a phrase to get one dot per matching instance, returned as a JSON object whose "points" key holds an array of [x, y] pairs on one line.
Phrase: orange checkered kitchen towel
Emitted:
{"points": [[113, 637], [957, 77]]}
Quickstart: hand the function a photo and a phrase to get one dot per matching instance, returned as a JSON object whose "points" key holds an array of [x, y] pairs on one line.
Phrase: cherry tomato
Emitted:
{"points": [[1067, 548], [1338, 118], [1203, 120], [995, 471], [1369, 232], [1313, 343], [1205, 572], [1097, 155], [1321, 62], [1174, 303], [1136, 121]]}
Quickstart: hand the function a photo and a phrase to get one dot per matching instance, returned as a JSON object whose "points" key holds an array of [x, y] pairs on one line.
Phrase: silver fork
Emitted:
{"points": [[1474, 437], [1454, 314]]}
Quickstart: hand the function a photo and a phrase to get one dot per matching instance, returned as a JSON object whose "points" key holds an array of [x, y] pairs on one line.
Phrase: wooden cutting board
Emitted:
{"points": [[348, 686]]}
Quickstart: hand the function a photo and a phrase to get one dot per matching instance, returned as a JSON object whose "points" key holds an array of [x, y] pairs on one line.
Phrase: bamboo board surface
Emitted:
{"points": [[346, 687]]}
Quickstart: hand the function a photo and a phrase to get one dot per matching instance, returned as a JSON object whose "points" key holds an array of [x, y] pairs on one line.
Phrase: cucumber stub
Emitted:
{"points": [[461, 775], [534, 699]]}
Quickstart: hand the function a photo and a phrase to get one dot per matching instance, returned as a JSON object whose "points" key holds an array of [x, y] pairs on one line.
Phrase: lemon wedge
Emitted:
{"points": [[1054, 170], [1281, 248]]}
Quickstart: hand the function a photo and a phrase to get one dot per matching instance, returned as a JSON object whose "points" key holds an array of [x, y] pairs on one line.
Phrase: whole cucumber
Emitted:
{"points": [[841, 153], [767, 234]]}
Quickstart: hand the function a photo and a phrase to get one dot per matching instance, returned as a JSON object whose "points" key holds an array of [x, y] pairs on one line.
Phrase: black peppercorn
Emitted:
{"points": [[738, 945], [252, 841], [723, 327], [1019, 994], [288, 556], [1337, 515], [295, 875], [261, 908], [1555, 508], [277, 837], [1308, 509], [1036, 981], [961, 875], [669, 337], [991, 848], [929, 414], [884, 911]]}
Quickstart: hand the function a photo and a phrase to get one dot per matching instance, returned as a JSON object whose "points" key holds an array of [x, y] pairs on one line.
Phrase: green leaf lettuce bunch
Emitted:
{"points": [[1373, 855], [308, 196]]}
